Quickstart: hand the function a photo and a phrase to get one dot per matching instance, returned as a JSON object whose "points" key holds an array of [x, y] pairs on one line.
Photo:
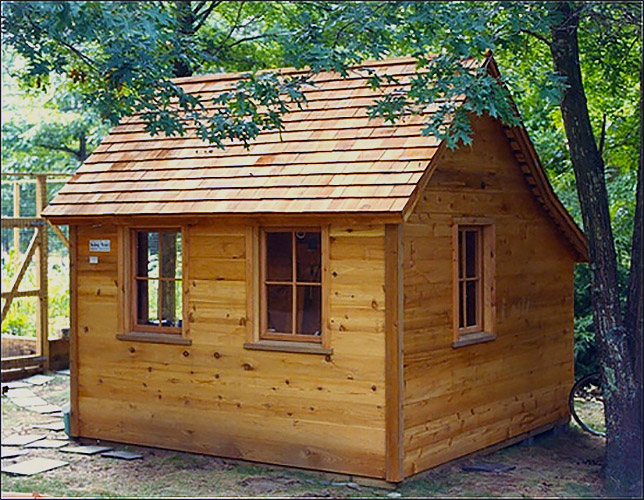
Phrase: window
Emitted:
{"points": [[291, 297], [469, 279], [156, 293], [474, 303]]}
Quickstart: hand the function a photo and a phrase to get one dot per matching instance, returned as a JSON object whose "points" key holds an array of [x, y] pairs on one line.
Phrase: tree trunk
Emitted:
{"points": [[633, 319], [185, 21], [167, 269], [82, 147], [622, 397]]}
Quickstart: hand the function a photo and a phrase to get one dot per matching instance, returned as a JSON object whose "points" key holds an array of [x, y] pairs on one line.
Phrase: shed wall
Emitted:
{"points": [[216, 397], [458, 401]]}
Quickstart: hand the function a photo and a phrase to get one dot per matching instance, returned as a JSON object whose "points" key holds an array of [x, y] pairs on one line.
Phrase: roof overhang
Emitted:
{"points": [[400, 209]]}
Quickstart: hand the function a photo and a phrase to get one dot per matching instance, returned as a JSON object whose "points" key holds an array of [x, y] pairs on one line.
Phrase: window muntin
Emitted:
{"points": [[470, 279], [292, 285], [157, 298], [474, 280]]}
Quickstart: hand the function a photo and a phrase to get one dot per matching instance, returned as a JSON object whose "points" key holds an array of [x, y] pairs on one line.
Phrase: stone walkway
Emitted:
{"points": [[15, 446]]}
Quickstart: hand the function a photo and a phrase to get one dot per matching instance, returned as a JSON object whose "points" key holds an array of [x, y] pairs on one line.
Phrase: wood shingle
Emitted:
{"points": [[330, 158]]}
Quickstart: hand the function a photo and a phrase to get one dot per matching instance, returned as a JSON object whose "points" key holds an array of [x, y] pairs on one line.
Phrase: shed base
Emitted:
{"points": [[556, 427]]}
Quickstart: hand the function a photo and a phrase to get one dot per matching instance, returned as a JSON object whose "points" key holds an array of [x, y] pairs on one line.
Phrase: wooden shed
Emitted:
{"points": [[345, 296]]}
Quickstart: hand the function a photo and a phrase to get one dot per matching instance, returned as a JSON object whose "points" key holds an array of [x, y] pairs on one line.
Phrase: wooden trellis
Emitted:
{"points": [[36, 251]]}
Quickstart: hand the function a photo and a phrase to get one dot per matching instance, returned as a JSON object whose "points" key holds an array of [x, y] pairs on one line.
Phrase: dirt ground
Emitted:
{"points": [[564, 465]]}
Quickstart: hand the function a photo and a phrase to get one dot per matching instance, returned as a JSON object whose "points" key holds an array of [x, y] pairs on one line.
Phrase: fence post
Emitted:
{"points": [[42, 310], [16, 213]]}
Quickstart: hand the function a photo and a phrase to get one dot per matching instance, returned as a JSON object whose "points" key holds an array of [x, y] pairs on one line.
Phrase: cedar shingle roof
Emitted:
{"points": [[330, 159]]}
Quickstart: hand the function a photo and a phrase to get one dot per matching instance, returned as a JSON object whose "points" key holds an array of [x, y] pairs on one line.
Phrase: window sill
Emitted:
{"points": [[473, 338], [155, 338], [288, 346]]}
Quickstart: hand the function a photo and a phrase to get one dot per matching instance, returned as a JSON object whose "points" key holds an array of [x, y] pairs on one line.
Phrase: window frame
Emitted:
{"points": [[256, 294], [464, 279], [130, 328], [294, 283], [484, 329]]}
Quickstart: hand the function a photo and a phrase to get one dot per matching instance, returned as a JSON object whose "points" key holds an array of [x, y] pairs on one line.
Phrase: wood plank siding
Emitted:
{"points": [[214, 396], [398, 376], [459, 400]]}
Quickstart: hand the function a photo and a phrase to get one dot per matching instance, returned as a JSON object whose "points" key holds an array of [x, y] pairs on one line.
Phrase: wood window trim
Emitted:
{"points": [[129, 329], [256, 297], [473, 338], [288, 346], [485, 328], [154, 338], [477, 278]]}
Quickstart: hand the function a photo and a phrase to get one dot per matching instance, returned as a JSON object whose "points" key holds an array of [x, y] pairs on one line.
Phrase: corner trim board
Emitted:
{"points": [[73, 331], [393, 353]]}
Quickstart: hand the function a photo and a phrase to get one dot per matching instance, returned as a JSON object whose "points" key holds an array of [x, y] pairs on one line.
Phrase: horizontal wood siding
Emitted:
{"points": [[457, 401], [218, 398]]}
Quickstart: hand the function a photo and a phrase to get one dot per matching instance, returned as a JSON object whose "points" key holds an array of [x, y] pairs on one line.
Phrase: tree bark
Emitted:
{"points": [[82, 147], [622, 397], [186, 27], [167, 269], [633, 319]]}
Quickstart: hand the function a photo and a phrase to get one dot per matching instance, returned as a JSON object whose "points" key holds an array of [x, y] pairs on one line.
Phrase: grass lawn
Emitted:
{"points": [[564, 465]]}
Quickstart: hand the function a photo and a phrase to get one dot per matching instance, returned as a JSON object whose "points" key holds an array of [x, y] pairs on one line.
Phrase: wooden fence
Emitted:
{"points": [[14, 366]]}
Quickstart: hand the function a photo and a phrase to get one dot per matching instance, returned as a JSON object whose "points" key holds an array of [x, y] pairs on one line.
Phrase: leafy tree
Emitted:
{"points": [[43, 129], [610, 36], [121, 56]]}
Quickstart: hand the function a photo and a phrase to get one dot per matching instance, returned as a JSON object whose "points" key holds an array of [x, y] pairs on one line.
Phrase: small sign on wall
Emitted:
{"points": [[99, 245]]}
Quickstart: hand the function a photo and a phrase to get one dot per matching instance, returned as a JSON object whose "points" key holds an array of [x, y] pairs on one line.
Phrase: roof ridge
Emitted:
{"points": [[290, 70]]}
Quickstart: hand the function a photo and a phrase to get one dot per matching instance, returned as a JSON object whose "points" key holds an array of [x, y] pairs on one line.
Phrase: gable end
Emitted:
{"points": [[533, 173]]}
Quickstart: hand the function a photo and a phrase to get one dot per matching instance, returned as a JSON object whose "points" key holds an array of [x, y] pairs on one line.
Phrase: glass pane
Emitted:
{"points": [[147, 302], [178, 297], [179, 255], [151, 255], [307, 247], [279, 306], [141, 253], [472, 303], [461, 311], [471, 253], [309, 307], [279, 258], [170, 303], [461, 254], [170, 267]]}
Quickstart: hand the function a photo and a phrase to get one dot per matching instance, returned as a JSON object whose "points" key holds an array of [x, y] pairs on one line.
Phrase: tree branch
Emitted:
{"points": [[256, 37], [634, 314], [199, 22], [536, 35], [233, 27], [70, 47], [198, 7], [64, 149], [625, 18], [602, 136]]}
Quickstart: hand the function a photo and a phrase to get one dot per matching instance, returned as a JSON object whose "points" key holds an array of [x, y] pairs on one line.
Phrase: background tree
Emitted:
{"points": [[120, 57]]}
